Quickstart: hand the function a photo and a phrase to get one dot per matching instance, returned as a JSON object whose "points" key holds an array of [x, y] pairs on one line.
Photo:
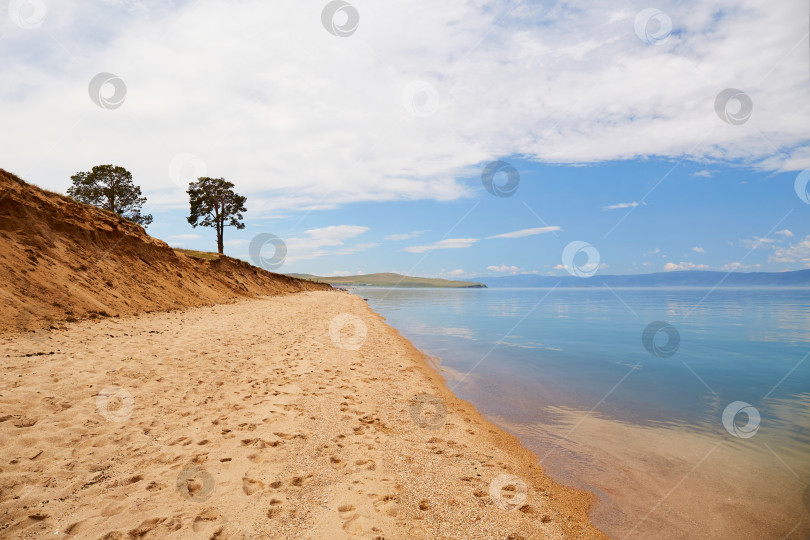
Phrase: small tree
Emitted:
{"points": [[215, 204], [110, 187]]}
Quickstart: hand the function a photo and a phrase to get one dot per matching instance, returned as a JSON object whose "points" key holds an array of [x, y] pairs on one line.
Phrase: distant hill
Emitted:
{"points": [[390, 280], [798, 278]]}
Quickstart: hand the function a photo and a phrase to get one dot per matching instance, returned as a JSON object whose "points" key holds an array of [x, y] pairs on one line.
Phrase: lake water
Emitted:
{"points": [[640, 425]]}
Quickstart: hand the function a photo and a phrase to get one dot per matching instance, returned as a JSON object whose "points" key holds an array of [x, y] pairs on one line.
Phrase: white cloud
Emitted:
{"points": [[336, 273], [737, 266], [784, 232], [671, 267], [443, 274], [303, 119], [526, 232], [405, 236], [619, 206], [697, 249], [450, 243], [656, 251], [317, 242], [757, 242], [587, 267], [795, 253], [504, 269], [236, 242], [357, 248], [185, 236], [703, 174]]}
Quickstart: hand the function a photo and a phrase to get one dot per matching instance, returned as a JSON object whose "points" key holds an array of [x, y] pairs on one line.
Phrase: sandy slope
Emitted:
{"points": [[61, 260], [261, 418]]}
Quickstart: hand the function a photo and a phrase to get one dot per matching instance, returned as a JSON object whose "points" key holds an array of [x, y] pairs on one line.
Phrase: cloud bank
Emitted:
{"points": [[418, 98]]}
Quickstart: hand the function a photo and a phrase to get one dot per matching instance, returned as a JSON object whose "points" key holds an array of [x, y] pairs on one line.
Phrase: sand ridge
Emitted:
{"points": [[294, 416], [63, 260]]}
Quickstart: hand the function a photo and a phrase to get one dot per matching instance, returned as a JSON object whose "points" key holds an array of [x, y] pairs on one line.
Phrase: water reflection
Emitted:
{"points": [[569, 374]]}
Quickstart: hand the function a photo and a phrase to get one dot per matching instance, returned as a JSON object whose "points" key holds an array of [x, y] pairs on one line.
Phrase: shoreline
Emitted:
{"points": [[508, 441], [631, 466], [441, 375], [258, 418]]}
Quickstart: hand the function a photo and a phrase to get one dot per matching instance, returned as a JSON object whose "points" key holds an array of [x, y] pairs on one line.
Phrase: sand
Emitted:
{"points": [[292, 416], [61, 260], [662, 482]]}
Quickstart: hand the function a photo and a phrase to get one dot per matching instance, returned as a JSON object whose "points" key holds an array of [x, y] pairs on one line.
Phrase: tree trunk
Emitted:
{"points": [[220, 229], [220, 243]]}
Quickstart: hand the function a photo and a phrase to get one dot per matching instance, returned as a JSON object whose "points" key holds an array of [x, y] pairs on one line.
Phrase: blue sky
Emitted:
{"points": [[667, 137], [642, 216]]}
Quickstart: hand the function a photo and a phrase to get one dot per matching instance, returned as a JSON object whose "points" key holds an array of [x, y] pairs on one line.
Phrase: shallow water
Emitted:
{"points": [[567, 371]]}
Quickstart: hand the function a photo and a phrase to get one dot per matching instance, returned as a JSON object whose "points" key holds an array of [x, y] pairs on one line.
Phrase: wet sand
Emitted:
{"points": [[665, 482], [296, 416]]}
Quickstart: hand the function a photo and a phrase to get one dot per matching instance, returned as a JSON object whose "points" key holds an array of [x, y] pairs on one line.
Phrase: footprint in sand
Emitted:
{"points": [[300, 481], [155, 486], [360, 525], [205, 518], [251, 486], [346, 511], [275, 509], [387, 504], [365, 464]]}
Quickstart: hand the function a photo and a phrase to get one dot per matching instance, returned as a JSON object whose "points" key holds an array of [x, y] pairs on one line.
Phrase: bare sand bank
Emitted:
{"points": [[61, 260], [296, 416]]}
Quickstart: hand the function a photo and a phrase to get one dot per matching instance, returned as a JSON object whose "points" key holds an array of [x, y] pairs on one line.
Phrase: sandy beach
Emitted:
{"points": [[293, 416]]}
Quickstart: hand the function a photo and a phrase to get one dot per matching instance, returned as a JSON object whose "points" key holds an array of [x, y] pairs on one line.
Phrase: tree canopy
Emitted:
{"points": [[215, 204], [110, 187]]}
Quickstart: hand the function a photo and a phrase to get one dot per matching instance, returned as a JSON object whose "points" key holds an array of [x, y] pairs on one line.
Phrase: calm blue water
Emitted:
{"points": [[530, 352]]}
